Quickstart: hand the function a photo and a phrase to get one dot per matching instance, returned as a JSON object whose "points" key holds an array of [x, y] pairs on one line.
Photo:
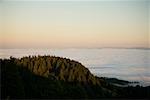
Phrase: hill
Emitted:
{"points": [[45, 77]]}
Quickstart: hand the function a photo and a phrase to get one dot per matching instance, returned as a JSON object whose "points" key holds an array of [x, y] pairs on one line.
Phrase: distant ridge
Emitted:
{"points": [[124, 48], [145, 48]]}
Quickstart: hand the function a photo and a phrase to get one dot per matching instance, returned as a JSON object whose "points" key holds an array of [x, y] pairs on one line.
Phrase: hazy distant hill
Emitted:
{"points": [[56, 77]]}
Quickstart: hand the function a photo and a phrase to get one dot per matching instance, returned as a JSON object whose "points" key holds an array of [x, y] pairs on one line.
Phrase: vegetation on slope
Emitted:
{"points": [[56, 77]]}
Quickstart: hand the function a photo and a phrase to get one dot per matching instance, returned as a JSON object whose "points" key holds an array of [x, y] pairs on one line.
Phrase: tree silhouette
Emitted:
{"points": [[45, 77]]}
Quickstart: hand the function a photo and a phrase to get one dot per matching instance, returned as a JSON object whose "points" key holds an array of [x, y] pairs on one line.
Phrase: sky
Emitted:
{"points": [[74, 24]]}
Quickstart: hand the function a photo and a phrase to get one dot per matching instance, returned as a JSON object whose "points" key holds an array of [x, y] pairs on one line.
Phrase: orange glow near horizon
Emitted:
{"points": [[74, 24]]}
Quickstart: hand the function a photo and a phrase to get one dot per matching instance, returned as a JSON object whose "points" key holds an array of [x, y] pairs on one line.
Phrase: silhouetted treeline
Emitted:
{"points": [[45, 77]]}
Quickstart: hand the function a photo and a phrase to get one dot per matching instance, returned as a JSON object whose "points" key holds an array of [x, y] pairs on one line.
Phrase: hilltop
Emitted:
{"points": [[46, 77]]}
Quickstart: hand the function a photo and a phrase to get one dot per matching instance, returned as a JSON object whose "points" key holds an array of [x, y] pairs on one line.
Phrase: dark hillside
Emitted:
{"points": [[46, 77]]}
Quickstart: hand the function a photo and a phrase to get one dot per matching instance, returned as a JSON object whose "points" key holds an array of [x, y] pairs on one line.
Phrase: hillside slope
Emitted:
{"points": [[55, 77]]}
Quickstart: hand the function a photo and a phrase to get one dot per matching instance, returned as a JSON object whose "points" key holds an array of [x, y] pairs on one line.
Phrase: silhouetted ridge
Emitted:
{"points": [[45, 77]]}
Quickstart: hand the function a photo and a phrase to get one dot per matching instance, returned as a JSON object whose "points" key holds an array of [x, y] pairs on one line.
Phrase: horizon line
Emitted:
{"points": [[83, 48]]}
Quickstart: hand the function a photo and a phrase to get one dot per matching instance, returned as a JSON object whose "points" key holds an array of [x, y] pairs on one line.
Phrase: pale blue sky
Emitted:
{"points": [[85, 24]]}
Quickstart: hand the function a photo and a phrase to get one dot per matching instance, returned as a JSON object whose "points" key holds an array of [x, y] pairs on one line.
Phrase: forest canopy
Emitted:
{"points": [[46, 77]]}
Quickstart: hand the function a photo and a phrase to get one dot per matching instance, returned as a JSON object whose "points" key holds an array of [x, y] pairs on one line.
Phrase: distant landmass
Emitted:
{"points": [[45, 77], [142, 48]]}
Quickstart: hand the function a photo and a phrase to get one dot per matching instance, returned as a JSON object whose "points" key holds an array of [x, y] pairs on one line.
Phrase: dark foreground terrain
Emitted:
{"points": [[46, 77]]}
